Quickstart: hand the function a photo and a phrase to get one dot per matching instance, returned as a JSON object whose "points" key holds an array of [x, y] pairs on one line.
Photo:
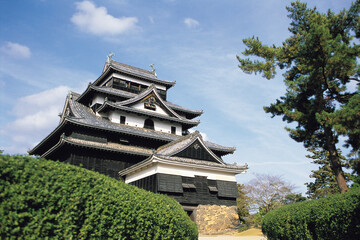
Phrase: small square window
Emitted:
{"points": [[122, 119], [189, 185], [173, 130], [213, 189]]}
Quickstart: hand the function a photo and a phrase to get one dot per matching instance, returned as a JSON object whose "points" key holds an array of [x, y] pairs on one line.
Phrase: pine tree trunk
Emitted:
{"points": [[335, 163]]}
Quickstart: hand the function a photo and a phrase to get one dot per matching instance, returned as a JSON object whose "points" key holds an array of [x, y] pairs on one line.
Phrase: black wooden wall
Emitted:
{"points": [[104, 162], [215, 192]]}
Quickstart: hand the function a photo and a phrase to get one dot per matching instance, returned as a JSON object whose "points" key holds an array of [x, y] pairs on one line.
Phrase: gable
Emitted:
{"points": [[197, 151], [149, 100], [151, 103]]}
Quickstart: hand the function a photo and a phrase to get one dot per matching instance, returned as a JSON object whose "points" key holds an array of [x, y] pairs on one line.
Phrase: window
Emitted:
{"points": [[122, 119], [149, 124], [119, 84], [213, 189], [173, 130], [188, 185]]}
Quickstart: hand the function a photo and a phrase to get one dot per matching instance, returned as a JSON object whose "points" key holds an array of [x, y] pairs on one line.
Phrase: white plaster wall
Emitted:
{"points": [[180, 171], [138, 121], [157, 110], [191, 172], [114, 116], [165, 126], [138, 175], [99, 98], [134, 120]]}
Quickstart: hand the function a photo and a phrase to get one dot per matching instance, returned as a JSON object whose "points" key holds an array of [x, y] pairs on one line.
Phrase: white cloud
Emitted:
{"points": [[151, 19], [191, 23], [35, 116], [31, 104], [16, 50], [97, 21]]}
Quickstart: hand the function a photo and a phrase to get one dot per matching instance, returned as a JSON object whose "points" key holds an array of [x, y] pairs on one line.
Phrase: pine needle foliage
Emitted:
{"points": [[320, 61], [324, 179]]}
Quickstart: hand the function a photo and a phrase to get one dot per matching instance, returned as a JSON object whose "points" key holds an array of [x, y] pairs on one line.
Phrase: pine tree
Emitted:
{"points": [[243, 203], [320, 59], [324, 183]]}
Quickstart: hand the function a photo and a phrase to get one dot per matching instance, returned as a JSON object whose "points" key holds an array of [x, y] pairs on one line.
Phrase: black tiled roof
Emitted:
{"points": [[176, 146], [125, 94], [173, 116], [198, 163], [133, 71], [85, 116]]}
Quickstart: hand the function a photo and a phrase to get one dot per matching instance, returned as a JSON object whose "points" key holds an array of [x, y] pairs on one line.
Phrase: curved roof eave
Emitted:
{"points": [[125, 94], [171, 150], [107, 104], [55, 131], [110, 67], [67, 140], [177, 161]]}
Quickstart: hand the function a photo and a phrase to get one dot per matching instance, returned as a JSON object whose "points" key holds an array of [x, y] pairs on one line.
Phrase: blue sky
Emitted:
{"points": [[48, 47]]}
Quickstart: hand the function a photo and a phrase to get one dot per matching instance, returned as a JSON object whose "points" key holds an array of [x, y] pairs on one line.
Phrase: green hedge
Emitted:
{"points": [[46, 199], [335, 217]]}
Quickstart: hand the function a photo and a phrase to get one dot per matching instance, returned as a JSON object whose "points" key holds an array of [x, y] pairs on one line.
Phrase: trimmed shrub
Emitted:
{"points": [[334, 217], [42, 199]]}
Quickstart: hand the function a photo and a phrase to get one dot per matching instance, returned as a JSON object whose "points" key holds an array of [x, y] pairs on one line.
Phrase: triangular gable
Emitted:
{"points": [[198, 151], [191, 146], [150, 98]]}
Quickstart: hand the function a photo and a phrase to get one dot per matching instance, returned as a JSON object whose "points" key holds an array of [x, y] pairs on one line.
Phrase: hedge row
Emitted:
{"points": [[42, 199], [335, 217]]}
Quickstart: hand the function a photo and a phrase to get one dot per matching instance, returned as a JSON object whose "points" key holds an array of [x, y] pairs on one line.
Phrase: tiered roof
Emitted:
{"points": [[181, 144], [126, 106], [78, 114], [190, 114], [167, 155], [112, 147]]}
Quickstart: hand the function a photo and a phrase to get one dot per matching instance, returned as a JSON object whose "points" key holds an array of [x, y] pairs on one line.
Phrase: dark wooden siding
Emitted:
{"points": [[148, 183], [107, 163], [173, 187], [227, 189], [108, 136], [196, 151], [169, 183]]}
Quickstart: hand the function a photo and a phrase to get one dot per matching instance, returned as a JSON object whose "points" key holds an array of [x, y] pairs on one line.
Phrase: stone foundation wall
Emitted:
{"points": [[214, 219]]}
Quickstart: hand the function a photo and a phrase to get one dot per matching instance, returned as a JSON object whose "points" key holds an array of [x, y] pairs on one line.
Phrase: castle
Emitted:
{"points": [[123, 126]]}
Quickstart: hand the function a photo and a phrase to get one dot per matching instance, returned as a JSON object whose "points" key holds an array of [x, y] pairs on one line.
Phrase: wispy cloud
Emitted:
{"points": [[191, 23], [51, 74], [35, 116], [16, 50], [30, 117], [97, 21]]}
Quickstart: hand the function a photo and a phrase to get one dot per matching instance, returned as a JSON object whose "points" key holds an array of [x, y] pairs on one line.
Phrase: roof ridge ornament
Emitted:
{"points": [[153, 69], [109, 57]]}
